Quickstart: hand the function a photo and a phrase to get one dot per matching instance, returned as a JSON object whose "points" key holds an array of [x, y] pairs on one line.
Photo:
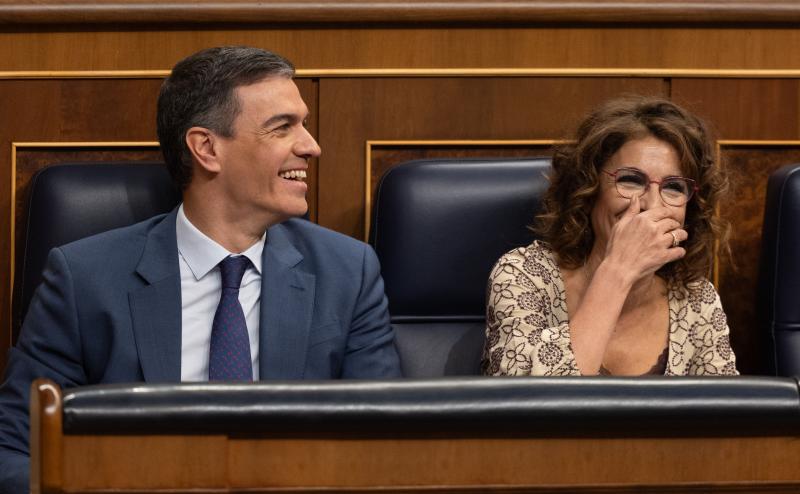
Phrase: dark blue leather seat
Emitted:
{"points": [[779, 277], [438, 227], [68, 202]]}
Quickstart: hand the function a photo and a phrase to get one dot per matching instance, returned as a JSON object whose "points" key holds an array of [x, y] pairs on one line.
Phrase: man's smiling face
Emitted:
{"points": [[265, 161]]}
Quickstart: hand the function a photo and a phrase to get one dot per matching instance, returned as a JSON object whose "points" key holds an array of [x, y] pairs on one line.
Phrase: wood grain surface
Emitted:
{"points": [[627, 46], [87, 71], [16, 12]]}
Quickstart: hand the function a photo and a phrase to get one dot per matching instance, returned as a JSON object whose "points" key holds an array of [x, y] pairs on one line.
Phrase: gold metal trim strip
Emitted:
{"points": [[44, 145], [84, 74], [369, 144], [552, 72], [436, 72], [86, 144]]}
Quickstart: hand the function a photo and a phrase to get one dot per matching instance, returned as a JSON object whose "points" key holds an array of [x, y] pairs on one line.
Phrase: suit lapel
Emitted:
{"points": [[156, 307], [287, 303]]}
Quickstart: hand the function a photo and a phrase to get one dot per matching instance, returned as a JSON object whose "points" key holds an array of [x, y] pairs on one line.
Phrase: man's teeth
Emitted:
{"points": [[293, 174]]}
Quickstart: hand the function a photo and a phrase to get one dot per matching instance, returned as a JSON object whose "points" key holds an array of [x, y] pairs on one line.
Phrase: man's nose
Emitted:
{"points": [[307, 146]]}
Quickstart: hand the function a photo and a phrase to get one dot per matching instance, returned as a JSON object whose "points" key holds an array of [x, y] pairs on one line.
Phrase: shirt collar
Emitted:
{"points": [[202, 254]]}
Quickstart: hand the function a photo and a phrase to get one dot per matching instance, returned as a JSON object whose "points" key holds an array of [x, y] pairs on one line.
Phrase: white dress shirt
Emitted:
{"points": [[201, 288]]}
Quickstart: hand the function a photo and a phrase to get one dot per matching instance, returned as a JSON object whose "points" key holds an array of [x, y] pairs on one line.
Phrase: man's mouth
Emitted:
{"points": [[299, 175]]}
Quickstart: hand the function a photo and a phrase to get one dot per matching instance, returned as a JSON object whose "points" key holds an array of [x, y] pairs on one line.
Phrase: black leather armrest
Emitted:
{"points": [[462, 407]]}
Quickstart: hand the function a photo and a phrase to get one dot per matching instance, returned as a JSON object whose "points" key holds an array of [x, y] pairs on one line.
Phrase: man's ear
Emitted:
{"points": [[202, 144]]}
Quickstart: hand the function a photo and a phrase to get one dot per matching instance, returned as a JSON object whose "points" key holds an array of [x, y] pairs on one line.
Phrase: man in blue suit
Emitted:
{"points": [[227, 286]]}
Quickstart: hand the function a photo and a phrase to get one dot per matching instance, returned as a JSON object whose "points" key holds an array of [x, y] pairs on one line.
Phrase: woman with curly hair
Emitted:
{"points": [[617, 283]]}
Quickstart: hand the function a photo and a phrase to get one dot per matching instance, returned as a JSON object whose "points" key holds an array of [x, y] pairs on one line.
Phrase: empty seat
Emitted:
{"points": [[438, 227], [779, 276]]}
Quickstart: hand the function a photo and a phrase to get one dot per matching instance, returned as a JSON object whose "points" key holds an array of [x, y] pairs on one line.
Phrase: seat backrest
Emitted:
{"points": [[438, 227], [68, 202], [779, 270]]}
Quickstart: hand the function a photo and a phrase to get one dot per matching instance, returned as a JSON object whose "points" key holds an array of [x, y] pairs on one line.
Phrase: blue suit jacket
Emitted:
{"points": [[109, 311]]}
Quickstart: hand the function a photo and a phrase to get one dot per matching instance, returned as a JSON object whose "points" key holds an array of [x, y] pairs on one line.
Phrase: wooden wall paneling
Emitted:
{"points": [[750, 163], [58, 110], [765, 109], [335, 47], [354, 111]]}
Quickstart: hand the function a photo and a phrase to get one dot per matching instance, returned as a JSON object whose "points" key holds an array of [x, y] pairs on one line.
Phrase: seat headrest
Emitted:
{"points": [[439, 226], [68, 202], [779, 270]]}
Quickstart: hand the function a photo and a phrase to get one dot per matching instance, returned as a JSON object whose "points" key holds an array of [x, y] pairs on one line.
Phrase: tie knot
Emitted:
{"points": [[232, 270]]}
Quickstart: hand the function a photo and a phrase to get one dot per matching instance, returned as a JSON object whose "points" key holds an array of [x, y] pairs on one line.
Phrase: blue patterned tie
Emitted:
{"points": [[229, 358]]}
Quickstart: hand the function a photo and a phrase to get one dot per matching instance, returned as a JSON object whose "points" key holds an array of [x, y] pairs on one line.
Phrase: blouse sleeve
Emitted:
{"points": [[709, 334], [527, 330]]}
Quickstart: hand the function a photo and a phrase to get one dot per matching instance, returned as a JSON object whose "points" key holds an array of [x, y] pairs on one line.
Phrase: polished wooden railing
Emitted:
{"points": [[398, 11]]}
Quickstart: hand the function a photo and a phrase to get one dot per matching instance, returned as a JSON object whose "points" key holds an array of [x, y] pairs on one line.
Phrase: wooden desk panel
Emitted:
{"points": [[223, 464], [474, 460]]}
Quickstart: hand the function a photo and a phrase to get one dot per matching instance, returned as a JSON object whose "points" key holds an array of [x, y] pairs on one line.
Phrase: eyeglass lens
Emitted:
{"points": [[675, 191]]}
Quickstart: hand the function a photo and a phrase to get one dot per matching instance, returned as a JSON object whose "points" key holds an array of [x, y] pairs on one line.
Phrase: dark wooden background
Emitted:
{"points": [[78, 82]]}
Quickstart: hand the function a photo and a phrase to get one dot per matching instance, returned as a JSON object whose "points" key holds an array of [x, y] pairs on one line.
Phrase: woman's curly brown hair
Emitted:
{"points": [[566, 223]]}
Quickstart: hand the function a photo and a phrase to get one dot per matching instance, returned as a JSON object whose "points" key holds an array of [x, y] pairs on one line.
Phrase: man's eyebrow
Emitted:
{"points": [[282, 117]]}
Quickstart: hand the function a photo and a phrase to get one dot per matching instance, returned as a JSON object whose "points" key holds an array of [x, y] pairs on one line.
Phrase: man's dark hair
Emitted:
{"points": [[200, 92]]}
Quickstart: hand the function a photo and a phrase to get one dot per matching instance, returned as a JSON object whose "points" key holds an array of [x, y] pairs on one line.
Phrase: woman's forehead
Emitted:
{"points": [[649, 154]]}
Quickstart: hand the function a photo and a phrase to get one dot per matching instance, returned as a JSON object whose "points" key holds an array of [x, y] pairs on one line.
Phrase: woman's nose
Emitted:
{"points": [[651, 197]]}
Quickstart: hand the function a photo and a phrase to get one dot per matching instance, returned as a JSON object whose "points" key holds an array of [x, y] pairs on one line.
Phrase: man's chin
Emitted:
{"points": [[302, 213], [296, 211]]}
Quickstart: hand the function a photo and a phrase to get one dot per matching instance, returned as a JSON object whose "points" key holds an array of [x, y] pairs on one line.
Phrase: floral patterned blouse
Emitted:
{"points": [[527, 324]]}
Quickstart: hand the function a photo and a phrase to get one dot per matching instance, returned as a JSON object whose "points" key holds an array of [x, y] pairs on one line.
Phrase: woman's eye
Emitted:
{"points": [[630, 179], [675, 187]]}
